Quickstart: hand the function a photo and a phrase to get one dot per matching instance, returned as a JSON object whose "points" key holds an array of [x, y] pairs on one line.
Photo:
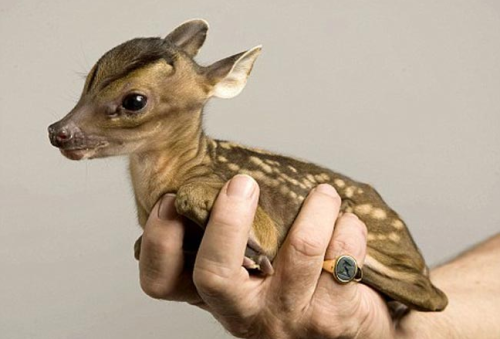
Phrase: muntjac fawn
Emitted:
{"points": [[145, 97]]}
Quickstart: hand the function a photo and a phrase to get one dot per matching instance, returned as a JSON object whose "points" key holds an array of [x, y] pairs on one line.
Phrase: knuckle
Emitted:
{"points": [[356, 224], [154, 288], [340, 327], [152, 241], [317, 327], [241, 329], [344, 246], [286, 303], [307, 245], [211, 279], [159, 244]]}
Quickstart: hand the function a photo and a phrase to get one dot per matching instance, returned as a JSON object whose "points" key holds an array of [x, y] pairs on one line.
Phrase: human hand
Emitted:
{"points": [[298, 301]]}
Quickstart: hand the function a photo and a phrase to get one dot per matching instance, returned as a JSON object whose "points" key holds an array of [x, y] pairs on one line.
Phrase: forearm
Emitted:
{"points": [[472, 283]]}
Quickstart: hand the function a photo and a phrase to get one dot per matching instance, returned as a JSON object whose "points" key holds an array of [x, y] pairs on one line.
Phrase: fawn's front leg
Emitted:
{"points": [[195, 201]]}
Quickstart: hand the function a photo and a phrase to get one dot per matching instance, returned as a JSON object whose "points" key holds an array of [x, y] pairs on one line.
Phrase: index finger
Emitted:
{"points": [[220, 256]]}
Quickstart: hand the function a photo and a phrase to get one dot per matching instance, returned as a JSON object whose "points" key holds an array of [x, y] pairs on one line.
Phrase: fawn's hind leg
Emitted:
{"points": [[399, 279]]}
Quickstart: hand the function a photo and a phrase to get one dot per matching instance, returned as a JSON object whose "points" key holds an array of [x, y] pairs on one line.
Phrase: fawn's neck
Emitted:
{"points": [[170, 163]]}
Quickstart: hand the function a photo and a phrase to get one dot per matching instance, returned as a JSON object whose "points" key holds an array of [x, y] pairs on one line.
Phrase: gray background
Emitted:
{"points": [[403, 95]]}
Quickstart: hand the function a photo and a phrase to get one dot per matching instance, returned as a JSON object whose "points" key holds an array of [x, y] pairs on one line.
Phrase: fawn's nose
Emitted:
{"points": [[59, 135]]}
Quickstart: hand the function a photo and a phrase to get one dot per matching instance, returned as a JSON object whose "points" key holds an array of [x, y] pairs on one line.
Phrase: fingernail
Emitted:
{"points": [[327, 189], [241, 186], [167, 211]]}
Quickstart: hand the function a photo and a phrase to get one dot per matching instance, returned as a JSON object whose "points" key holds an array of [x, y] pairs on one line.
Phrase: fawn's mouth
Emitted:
{"points": [[83, 152]]}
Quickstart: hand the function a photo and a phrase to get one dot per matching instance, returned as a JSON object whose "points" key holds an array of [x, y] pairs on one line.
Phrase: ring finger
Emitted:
{"points": [[349, 239]]}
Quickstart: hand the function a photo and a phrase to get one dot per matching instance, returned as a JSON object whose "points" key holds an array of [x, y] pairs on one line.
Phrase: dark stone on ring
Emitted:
{"points": [[346, 269]]}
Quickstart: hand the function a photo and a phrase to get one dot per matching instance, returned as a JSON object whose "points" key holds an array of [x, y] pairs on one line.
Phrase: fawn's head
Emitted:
{"points": [[146, 91]]}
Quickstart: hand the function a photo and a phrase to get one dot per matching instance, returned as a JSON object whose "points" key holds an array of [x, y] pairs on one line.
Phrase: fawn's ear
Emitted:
{"points": [[230, 75], [189, 36]]}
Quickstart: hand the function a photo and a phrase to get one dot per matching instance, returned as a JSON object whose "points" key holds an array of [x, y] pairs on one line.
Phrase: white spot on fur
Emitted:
{"points": [[272, 162], [221, 158], [293, 169], [270, 181], [225, 145], [266, 168], [397, 224], [284, 190], [233, 167], [349, 191], [319, 178], [255, 160], [257, 175], [394, 237], [308, 183], [261, 164], [379, 214], [289, 179], [363, 209], [339, 183], [324, 177]]}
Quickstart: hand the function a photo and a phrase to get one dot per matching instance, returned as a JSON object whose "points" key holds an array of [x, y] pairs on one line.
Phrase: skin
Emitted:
{"points": [[300, 300], [474, 298]]}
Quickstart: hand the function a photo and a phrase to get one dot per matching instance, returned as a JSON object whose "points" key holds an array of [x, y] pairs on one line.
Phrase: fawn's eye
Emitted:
{"points": [[134, 102]]}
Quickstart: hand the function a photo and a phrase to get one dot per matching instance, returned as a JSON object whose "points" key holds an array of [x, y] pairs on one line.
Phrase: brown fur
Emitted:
{"points": [[169, 153]]}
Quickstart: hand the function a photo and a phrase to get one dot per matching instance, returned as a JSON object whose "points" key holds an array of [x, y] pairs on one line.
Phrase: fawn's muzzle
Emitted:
{"points": [[67, 137], [63, 136], [73, 142]]}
